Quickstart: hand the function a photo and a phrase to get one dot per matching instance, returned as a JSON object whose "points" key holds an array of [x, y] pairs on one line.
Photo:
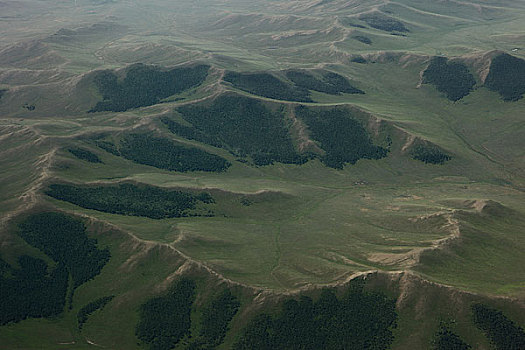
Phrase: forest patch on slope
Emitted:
{"points": [[167, 320], [267, 85], [134, 200], [243, 126], [163, 153], [342, 137], [38, 289], [383, 22], [507, 77], [429, 153], [302, 82], [503, 333], [358, 320], [144, 86], [84, 154], [451, 78], [329, 82]]}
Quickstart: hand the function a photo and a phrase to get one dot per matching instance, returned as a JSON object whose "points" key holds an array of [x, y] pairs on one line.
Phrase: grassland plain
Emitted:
{"points": [[439, 236]]}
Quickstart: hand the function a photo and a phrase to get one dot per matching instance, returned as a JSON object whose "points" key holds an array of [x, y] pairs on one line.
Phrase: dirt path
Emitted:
{"points": [[304, 143], [30, 197]]}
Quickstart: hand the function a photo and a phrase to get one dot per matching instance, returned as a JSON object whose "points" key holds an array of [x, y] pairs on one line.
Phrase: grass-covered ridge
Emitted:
{"points": [[342, 137], [164, 153], [244, 126], [507, 77], [130, 199], [144, 86], [486, 256], [267, 85], [374, 215], [451, 78]]}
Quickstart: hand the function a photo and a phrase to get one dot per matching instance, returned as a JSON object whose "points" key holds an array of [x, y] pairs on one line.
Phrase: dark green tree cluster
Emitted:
{"points": [[430, 154], [446, 339], [166, 154], [144, 86], [343, 138], [39, 290], [84, 154], [363, 39], [29, 107], [191, 133], [502, 332], [86, 311], [34, 290], [507, 76], [2, 92], [349, 22], [358, 59], [267, 85], [383, 22], [165, 320], [64, 240], [215, 320], [129, 199], [108, 147], [453, 79], [331, 83], [359, 320], [244, 126]]}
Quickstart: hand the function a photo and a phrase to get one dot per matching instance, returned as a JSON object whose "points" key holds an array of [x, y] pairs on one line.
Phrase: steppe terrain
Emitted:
{"points": [[270, 149]]}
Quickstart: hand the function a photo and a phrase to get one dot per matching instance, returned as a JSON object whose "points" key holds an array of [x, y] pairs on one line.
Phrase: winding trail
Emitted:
{"points": [[30, 197]]}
